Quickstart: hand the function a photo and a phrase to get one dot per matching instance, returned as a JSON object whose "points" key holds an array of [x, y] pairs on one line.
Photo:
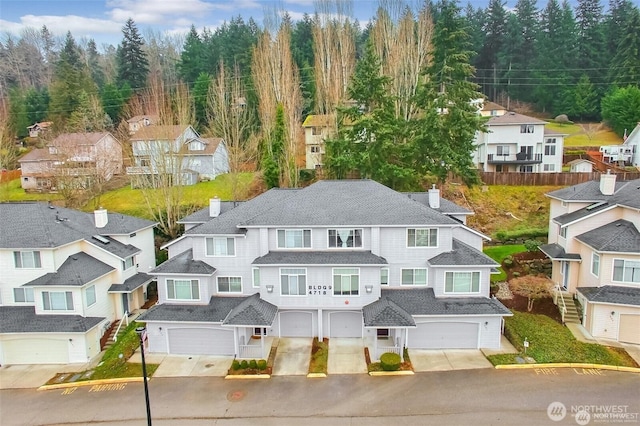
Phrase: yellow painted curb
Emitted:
{"points": [[246, 376], [568, 365], [92, 383], [391, 373], [316, 375]]}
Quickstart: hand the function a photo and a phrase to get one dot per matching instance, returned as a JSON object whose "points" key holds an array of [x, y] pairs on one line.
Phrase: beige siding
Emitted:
{"points": [[605, 325]]}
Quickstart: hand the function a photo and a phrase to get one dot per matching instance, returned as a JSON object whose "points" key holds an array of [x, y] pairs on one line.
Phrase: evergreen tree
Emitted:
{"points": [[93, 62], [580, 101], [273, 156], [88, 115], [475, 21], [621, 109], [36, 105], [625, 66], [590, 41], [524, 48], [200, 92], [445, 134], [18, 121], [192, 57], [132, 63], [112, 101], [614, 25], [487, 63]]}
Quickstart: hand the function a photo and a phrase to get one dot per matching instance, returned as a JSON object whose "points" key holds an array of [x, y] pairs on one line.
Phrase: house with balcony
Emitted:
{"points": [[626, 154], [176, 153], [137, 122], [36, 128], [66, 277], [516, 143], [351, 259], [317, 128], [594, 245], [71, 157]]}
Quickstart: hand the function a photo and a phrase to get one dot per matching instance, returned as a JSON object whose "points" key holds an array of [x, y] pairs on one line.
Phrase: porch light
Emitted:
{"points": [[269, 288], [368, 288]]}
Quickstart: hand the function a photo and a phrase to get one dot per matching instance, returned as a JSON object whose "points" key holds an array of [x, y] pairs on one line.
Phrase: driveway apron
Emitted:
{"points": [[292, 357]]}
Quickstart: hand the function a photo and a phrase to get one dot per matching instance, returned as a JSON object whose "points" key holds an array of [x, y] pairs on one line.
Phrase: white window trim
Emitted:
{"points": [[48, 295], [32, 252], [345, 229], [213, 242], [623, 268], [253, 277], [387, 284], [228, 292], [593, 257], [174, 290], [24, 293], [463, 292], [422, 247], [333, 284], [124, 263], [295, 229], [293, 295], [426, 276], [95, 296]]}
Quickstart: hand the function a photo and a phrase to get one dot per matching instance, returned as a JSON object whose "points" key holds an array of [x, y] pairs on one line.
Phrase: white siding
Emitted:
{"points": [[489, 329], [605, 325]]}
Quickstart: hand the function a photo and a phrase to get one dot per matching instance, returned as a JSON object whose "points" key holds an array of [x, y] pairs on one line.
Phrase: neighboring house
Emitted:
{"points": [[82, 156], [139, 121], [491, 109], [35, 129], [594, 245], [316, 130], [66, 276], [178, 152], [351, 259], [626, 154], [580, 165], [517, 143]]}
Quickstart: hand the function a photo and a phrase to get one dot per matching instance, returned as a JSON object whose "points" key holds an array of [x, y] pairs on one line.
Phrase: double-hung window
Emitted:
{"points": [[27, 259], [502, 150], [256, 277], [229, 284], [23, 295], [127, 263], [384, 276], [183, 290], [90, 295], [345, 238], [549, 150], [422, 237], [626, 271], [595, 264], [293, 281], [57, 300], [416, 276], [526, 128], [346, 281], [462, 282], [294, 238], [221, 246]]}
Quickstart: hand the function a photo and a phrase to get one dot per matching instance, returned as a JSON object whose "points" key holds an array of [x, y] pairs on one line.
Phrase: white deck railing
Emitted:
{"points": [[561, 305], [125, 317], [250, 352]]}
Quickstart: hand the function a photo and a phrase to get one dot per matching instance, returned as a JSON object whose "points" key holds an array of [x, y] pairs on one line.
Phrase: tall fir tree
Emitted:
{"points": [[524, 49], [93, 63], [625, 65], [192, 57], [494, 42], [131, 59], [590, 59]]}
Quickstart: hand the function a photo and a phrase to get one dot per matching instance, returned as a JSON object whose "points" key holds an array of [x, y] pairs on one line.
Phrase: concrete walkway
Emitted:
{"points": [[346, 356], [292, 357], [424, 360]]}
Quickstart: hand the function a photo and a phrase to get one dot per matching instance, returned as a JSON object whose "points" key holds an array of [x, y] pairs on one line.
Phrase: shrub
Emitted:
{"points": [[253, 364], [235, 365], [531, 245], [501, 235], [390, 361], [262, 364], [508, 261], [244, 364], [516, 274]]}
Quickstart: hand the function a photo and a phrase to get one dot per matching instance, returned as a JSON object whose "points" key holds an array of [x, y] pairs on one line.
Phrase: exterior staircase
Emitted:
{"points": [[571, 315], [112, 334]]}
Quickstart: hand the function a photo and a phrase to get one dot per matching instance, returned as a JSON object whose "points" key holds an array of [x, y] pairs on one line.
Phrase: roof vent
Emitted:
{"points": [[100, 238]]}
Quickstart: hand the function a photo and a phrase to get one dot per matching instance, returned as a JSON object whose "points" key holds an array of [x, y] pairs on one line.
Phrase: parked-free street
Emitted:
{"points": [[479, 397]]}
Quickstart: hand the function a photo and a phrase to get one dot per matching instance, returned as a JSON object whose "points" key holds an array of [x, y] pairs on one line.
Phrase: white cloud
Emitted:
{"points": [[59, 25]]}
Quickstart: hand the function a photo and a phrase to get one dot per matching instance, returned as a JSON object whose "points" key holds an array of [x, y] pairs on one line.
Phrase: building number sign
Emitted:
{"points": [[319, 289]]}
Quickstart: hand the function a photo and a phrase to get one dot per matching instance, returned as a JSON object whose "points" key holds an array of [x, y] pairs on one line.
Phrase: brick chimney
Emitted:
{"points": [[607, 183]]}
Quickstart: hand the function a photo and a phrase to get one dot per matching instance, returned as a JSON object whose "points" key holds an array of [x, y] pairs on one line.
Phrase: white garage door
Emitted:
{"points": [[36, 351], [296, 324], [201, 341], [345, 324], [629, 329], [444, 335]]}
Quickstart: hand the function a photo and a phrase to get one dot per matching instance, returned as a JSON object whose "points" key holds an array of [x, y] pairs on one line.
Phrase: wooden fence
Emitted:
{"points": [[547, 179]]}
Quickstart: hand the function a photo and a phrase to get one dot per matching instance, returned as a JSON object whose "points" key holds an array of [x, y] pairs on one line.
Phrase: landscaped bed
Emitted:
{"points": [[319, 356], [377, 366], [551, 342]]}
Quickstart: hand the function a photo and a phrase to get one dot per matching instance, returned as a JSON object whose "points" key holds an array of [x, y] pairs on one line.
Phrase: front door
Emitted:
{"points": [[125, 302], [527, 151], [565, 275]]}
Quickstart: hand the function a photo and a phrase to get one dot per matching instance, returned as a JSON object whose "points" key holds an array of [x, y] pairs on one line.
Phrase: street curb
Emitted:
{"points": [[91, 383], [567, 365], [316, 375], [246, 376], [391, 373]]}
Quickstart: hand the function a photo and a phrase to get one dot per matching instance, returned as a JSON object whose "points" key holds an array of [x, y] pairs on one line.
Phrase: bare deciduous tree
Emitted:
{"points": [[532, 287]]}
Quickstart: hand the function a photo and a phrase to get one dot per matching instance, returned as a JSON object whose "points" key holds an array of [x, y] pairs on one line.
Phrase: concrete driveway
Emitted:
{"points": [[34, 376], [186, 365], [292, 357], [346, 356], [446, 360]]}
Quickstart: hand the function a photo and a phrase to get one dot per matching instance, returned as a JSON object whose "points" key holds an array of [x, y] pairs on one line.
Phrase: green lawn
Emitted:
{"points": [[499, 253], [12, 191], [589, 134], [551, 342]]}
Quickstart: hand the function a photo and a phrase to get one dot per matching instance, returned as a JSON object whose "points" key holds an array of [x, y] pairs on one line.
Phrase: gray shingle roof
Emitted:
{"points": [[612, 294], [184, 264], [385, 313], [216, 311], [78, 270], [115, 247], [583, 212], [320, 258], [35, 225], [627, 193], [511, 118], [132, 283], [556, 252], [202, 215], [462, 254], [446, 206], [347, 203], [252, 311], [23, 319], [423, 302], [620, 236]]}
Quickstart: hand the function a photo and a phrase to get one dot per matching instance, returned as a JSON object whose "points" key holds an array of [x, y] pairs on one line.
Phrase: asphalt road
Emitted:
{"points": [[478, 397]]}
